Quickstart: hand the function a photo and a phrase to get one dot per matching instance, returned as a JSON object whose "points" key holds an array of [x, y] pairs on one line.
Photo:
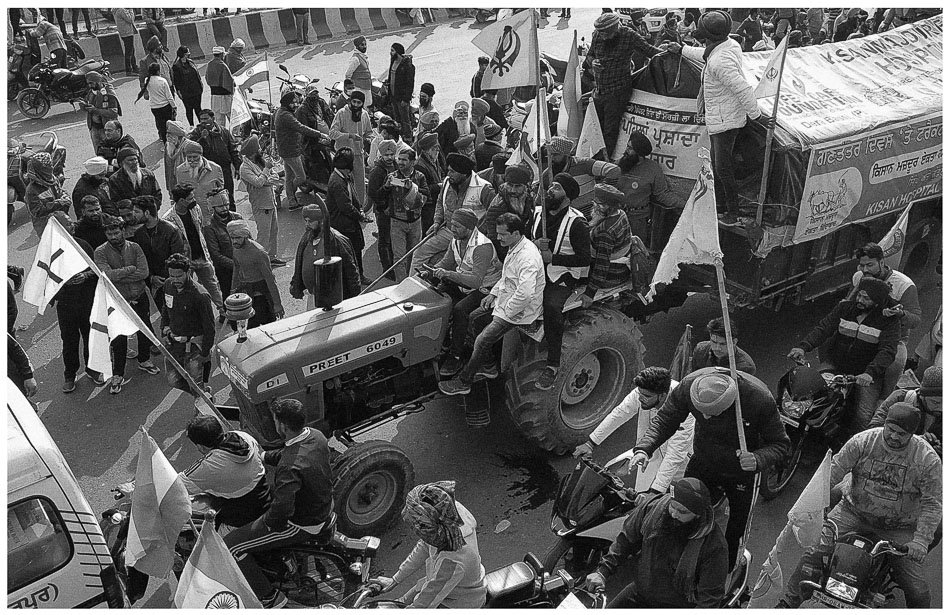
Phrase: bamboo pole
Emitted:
{"points": [[731, 347]]}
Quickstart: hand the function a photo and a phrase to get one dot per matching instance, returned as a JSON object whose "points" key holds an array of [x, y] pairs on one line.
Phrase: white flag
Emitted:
{"points": [[569, 118], [535, 141], [108, 320], [893, 243], [695, 239], [772, 76], [591, 141], [57, 259], [512, 45], [252, 74], [239, 111]]}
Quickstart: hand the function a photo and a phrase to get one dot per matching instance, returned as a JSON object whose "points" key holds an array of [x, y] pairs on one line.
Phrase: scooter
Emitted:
{"points": [[57, 85], [812, 403], [320, 571], [856, 575], [522, 585]]}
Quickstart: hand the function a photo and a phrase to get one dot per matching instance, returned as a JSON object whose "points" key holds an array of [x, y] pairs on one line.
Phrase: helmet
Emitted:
{"points": [[714, 25], [238, 43]]}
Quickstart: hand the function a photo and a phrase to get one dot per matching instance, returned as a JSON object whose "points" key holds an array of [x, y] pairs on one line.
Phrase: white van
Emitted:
{"points": [[56, 554]]}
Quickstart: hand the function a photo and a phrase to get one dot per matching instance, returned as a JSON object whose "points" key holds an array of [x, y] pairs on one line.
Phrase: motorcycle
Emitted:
{"points": [[524, 584], [810, 401], [856, 575], [590, 508], [57, 85], [323, 570], [380, 102]]}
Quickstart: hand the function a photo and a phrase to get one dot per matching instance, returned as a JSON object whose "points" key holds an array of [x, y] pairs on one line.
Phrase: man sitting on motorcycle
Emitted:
{"points": [[681, 554], [864, 333], [231, 471], [651, 388], [896, 493], [302, 499], [928, 399]]}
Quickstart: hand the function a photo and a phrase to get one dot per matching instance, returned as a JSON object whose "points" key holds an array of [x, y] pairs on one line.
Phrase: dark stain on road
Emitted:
{"points": [[536, 480]]}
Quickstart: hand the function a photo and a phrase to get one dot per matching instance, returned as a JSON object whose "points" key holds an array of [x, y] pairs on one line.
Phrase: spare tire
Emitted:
{"points": [[602, 352], [370, 483]]}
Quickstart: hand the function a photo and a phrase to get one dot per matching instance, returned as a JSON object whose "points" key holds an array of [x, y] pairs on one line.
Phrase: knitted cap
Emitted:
{"points": [[466, 217], [561, 145], [713, 393], [176, 129], [931, 385], [691, 493], [492, 129], [429, 118], [464, 142], [905, 416], [605, 193], [124, 153], [191, 147]]}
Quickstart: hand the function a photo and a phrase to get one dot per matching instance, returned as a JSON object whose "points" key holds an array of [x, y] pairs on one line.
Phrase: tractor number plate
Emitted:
{"points": [[832, 602], [789, 420], [352, 355]]}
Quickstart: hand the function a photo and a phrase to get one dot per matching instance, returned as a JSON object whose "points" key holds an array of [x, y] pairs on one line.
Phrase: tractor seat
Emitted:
{"points": [[510, 584], [326, 534]]}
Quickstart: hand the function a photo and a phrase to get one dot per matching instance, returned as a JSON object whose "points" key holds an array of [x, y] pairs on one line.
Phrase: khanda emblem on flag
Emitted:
{"points": [[506, 53]]}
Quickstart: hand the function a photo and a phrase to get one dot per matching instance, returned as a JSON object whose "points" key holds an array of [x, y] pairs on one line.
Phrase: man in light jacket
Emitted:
{"points": [[125, 24], [726, 101], [514, 301], [200, 173]]}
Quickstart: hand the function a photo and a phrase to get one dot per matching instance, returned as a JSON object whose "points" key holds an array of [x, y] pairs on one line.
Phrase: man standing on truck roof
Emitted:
{"points": [[903, 291], [646, 191]]}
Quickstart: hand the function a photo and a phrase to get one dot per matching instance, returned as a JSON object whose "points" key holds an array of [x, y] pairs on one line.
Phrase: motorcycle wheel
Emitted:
{"points": [[32, 103], [778, 477], [319, 577], [579, 558]]}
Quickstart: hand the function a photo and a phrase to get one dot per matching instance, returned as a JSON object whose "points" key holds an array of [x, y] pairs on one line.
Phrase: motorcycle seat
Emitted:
{"points": [[326, 534], [510, 584]]}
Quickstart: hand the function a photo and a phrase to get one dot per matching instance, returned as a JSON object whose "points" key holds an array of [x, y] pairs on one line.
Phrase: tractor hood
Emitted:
{"points": [[407, 321]]}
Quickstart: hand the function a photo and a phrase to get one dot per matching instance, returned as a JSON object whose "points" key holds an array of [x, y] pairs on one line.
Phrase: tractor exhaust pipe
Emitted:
{"points": [[408, 254]]}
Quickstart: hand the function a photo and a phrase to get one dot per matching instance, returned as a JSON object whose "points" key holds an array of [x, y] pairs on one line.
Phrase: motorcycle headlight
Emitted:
{"points": [[841, 590], [796, 409]]}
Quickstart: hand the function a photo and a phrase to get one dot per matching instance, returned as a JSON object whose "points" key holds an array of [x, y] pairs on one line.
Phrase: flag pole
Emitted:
{"points": [[141, 325], [731, 347], [770, 135], [538, 100]]}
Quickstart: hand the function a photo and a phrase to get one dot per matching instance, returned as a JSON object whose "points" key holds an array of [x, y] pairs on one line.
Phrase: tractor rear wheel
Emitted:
{"points": [[370, 483], [602, 352]]}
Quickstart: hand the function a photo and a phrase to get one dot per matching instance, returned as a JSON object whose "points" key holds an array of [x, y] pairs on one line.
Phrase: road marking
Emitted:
{"points": [[42, 407]]}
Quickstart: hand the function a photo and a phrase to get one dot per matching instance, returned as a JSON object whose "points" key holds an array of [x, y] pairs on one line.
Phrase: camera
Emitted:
{"points": [[400, 182]]}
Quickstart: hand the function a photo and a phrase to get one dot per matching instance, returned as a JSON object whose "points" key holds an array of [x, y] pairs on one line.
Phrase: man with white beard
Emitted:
{"points": [[459, 125]]}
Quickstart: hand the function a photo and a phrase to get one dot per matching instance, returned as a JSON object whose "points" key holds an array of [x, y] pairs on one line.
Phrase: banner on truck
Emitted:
{"points": [[866, 176], [670, 124]]}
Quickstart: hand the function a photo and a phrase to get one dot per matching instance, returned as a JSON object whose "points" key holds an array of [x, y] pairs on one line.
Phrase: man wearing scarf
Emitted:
{"points": [[512, 198], [312, 248], [235, 58], [93, 182], [44, 193], [218, 239], [358, 70], [344, 207], [402, 82], [131, 180], [447, 550], [101, 105], [259, 182], [428, 123], [426, 94], [352, 128], [221, 83], [253, 276], [680, 552], [458, 125], [174, 155], [200, 173]]}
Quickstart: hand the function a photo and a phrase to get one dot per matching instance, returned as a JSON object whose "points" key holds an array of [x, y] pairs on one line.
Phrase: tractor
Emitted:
{"points": [[374, 357]]}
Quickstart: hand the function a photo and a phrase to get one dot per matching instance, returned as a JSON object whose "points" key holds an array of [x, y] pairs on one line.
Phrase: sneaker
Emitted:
{"points": [[69, 386], [149, 367], [547, 378], [277, 262], [454, 387], [451, 366], [96, 377], [488, 372], [116, 384], [131, 353], [277, 600]]}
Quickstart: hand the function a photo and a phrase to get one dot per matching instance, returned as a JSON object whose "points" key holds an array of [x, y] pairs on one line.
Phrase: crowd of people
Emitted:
{"points": [[510, 248]]}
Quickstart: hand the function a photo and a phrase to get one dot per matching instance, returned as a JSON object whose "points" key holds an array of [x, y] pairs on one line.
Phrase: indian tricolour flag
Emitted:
{"points": [[160, 508], [211, 578]]}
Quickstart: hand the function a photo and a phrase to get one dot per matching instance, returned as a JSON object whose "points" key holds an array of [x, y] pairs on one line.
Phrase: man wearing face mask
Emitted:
{"points": [[564, 243], [131, 180], [313, 248], [896, 493], [710, 395], [679, 551], [455, 126], [219, 241], [219, 147], [188, 219], [513, 198], [461, 188], [647, 195], [101, 105], [352, 128], [586, 171], [358, 70], [864, 336]]}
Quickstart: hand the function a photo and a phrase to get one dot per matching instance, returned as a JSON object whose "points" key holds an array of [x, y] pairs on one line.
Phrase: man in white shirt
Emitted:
{"points": [[514, 301], [651, 387]]}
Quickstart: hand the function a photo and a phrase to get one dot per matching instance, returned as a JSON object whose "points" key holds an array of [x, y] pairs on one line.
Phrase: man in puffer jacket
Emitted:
{"points": [[726, 101]]}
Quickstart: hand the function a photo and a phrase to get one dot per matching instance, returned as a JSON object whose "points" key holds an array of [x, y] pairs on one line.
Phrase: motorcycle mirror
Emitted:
{"points": [[283, 68]]}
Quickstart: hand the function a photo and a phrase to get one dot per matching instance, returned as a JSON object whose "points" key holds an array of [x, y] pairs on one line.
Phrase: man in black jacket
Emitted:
{"points": [[89, 228], [187, 325], [159, 239], [302, 498], [311, 249], [402, 83], [219, 147], [710, 395], [132, 180]]}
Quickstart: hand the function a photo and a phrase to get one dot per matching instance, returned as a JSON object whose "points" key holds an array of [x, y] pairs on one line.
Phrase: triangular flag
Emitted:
{"points": [[522, 156], [695, 239], [239, 111], [683, 357], [57, 259], [211, 578], [770, 586], [512, 45], [893, 242], [110, 318], [535, 141], [772, 75], [569, 118], [591, 142], [160, 507], [252, 74]]}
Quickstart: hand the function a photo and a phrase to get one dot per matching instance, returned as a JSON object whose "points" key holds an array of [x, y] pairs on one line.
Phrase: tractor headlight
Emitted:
{"points": [[841, 590]]}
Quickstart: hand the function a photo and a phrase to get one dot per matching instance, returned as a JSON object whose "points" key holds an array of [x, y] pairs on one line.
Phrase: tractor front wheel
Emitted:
{"points": [[371, 480]]}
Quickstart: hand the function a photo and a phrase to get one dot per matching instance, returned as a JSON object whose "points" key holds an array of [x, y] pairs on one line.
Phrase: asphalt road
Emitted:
{"points": [[500, 476]]}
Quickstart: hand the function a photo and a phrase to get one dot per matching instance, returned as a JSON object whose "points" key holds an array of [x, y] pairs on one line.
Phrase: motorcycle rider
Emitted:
{"points": [[231, 471], [896, 493], [680, 552], [651, 388], [302, 498], [864, 334], [928, 399], [447, 550], [710, 395]]}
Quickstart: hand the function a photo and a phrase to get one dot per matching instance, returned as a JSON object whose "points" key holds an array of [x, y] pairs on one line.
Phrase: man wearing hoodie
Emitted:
{"points": [[94, 182], [176, 136], [679, 550], [231, 471], [402, 84], [219, 147], [200, 173], [259, 182]]}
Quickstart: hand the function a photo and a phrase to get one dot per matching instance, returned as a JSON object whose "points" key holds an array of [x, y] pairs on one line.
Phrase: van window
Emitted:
{"points": [[37, 543]]}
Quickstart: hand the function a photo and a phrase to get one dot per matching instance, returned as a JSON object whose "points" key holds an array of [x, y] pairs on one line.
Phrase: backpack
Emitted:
{"points": [[642, 266]]}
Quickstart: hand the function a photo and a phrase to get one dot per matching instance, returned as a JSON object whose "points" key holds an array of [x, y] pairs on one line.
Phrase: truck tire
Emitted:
{"points": [[919, 260], [602, 352], [370, 483]]}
